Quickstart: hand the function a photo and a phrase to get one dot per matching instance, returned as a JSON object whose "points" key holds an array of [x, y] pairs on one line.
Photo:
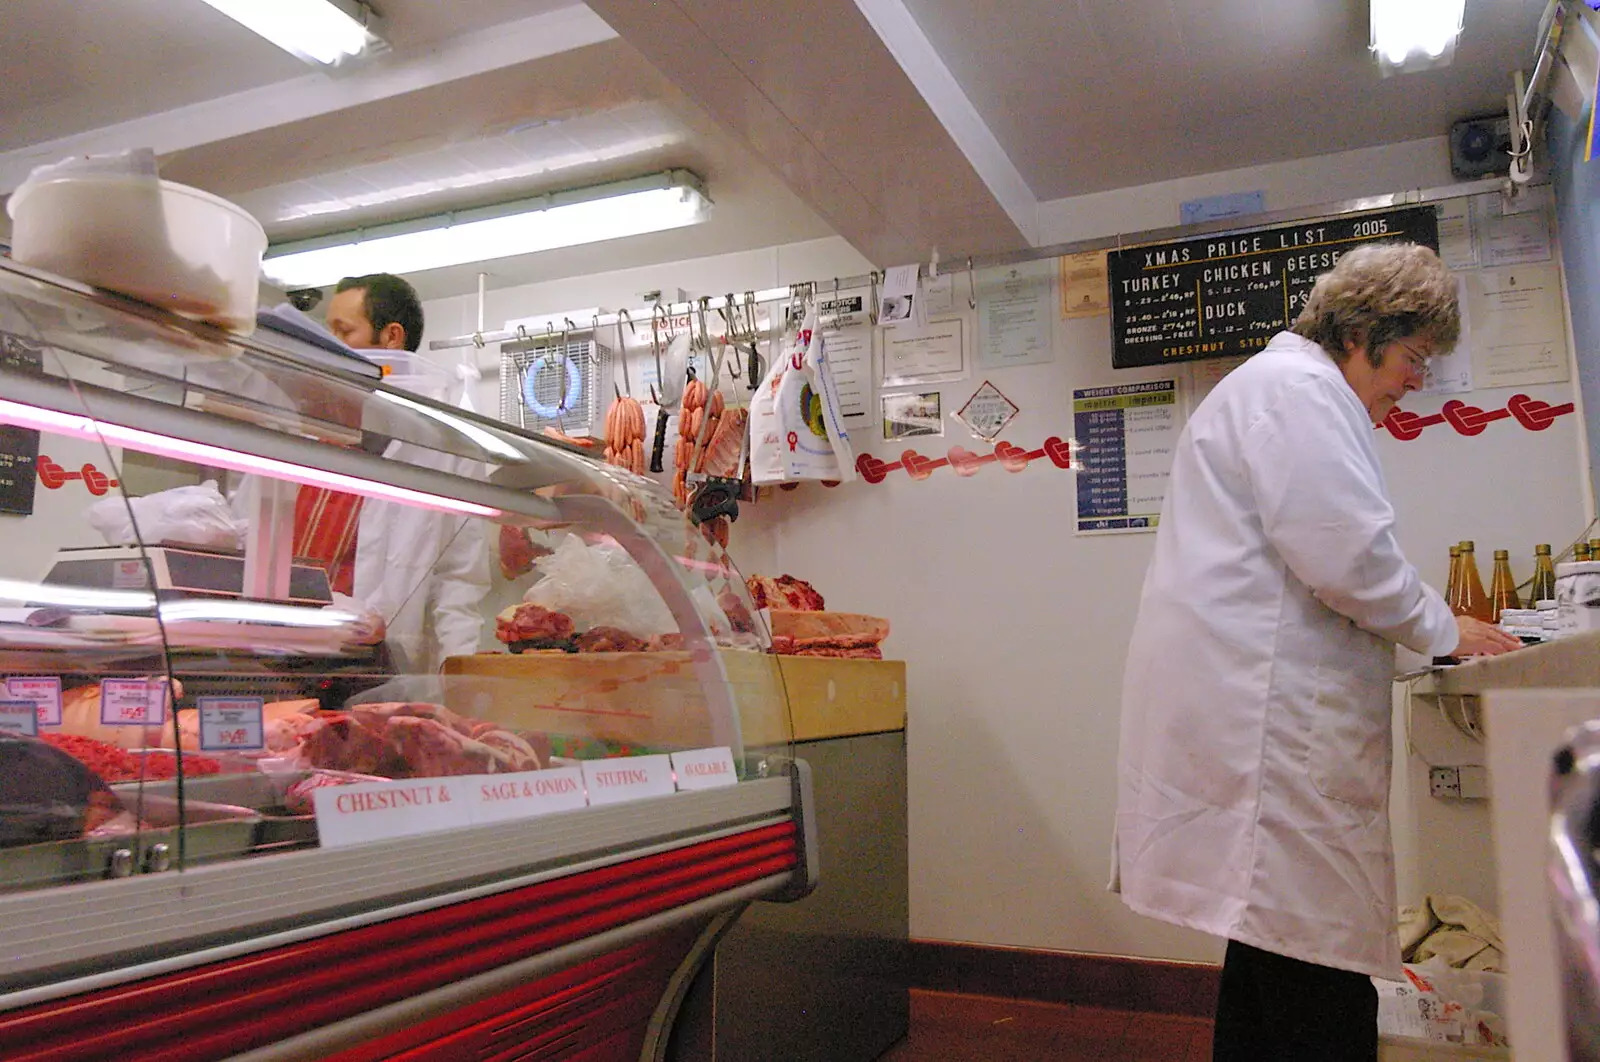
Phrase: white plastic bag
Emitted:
{"points": [[189, 516], [796, 429], [600, 585]]}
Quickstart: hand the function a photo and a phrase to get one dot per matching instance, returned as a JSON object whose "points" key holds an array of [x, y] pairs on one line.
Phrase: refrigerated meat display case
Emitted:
{"points": [[339, 722]]}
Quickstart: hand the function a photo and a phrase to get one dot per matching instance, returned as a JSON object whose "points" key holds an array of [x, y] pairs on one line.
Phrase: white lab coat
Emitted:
{"points": [[1253, 779], [425, 572]]}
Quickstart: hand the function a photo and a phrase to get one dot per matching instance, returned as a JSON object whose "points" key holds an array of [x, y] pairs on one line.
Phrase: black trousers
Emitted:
{"points": [[1276, 1009]]}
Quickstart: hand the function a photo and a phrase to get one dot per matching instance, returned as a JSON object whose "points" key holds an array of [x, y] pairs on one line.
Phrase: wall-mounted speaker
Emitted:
{"points": [[1480, 147]]}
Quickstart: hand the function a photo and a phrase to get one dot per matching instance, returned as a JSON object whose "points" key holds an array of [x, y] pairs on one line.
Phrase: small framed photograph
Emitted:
{"points": [[911, 414]]}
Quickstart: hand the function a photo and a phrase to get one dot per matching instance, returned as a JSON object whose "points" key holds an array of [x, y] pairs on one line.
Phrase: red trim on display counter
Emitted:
{"points": [[608, 998], [222, 1009]]}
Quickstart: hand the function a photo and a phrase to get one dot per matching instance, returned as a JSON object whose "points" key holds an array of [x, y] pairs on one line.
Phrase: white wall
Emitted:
{"points": [[1303, 182], [1014, 629]]}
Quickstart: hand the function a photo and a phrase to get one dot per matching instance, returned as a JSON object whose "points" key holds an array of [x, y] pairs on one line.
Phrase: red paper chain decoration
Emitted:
{"points": [[1470, 420], [964, 462], [53, 477]]}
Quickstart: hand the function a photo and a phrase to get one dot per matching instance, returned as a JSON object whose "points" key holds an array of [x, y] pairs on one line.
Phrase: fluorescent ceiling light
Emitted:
{"points": [[1410, 35], [564, 219], [325, 32], [81, 427]]}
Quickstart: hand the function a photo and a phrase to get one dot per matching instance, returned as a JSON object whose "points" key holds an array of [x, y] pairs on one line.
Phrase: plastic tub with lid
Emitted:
{"points": [[157, 241]]}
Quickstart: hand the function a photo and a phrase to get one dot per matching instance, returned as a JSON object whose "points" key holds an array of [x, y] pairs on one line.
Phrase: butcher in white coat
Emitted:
{"points": [[424, 572], [1253, 778]]}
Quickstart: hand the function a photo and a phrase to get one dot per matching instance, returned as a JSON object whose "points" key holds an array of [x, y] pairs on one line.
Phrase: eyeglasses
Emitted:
{"points": [[1416, 359]]}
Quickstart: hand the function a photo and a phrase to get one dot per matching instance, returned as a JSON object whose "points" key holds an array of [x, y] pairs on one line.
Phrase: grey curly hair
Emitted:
{"points": [[1378, 293]]}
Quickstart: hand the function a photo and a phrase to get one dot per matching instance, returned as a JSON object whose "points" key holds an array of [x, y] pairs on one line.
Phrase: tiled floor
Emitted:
{"points": [[946, 1027]]}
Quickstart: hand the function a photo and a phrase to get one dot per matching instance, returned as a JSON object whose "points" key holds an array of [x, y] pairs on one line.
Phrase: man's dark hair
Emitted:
{"points": [[389, 300]]}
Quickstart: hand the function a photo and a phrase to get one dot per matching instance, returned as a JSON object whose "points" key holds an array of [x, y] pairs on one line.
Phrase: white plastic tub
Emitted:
{"points": [[163, 243]]}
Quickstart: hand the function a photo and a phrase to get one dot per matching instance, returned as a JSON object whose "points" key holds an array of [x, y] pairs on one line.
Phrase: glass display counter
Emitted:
{"points": [[340, 722]]}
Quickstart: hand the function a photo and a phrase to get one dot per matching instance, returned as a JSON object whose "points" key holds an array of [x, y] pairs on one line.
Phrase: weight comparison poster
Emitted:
{"points": [[1127, 434]]}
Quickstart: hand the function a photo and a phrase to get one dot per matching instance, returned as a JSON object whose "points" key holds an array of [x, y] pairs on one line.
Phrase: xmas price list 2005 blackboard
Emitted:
{"points": [[1227, 295]]}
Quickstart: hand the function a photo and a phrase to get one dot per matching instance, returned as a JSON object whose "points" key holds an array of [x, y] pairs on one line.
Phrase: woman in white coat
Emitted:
{"points": [[1255, 748]]}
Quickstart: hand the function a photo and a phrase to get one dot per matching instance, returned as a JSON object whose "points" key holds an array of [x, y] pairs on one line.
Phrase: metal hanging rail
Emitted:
{"points": [[1121, 241]]}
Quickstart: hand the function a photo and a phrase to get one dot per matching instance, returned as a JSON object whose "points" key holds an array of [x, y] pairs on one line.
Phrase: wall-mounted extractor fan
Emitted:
{"points": [[561, 382]]}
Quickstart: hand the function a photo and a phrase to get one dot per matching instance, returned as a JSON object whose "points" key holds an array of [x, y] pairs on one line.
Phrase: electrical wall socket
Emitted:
{"points": [[1458, 783]]}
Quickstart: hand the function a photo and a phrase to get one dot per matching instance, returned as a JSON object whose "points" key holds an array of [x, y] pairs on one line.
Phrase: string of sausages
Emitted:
{"points": [[702, 410], [625, 435]]}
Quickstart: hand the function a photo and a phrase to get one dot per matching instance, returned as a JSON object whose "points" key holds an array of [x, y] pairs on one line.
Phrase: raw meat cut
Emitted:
{"points": [[517, 552], [528, 622], [341, 741], [609, 640], [515, 753], [414, 740], [733, 606], [299, 799], [784, 592], [432, 750], [727, 443]]}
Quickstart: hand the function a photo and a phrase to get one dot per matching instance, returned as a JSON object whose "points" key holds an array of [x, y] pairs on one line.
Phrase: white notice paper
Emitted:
{"points": [[921, 355], [630, 778], [44, 692], [231, 724], [938, 296], [501, 797], [1451, 374], [1518, 333], [133, 702], [376, 811], [1016, 307], [899, 293], [1458, 241], [19, 717], [1511, 239], [847, 332], [704, 768], [987, 412]]}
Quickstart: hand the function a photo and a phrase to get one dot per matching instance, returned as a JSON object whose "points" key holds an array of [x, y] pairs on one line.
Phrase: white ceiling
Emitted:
{"points": [[1098, 94], [901, 125]]}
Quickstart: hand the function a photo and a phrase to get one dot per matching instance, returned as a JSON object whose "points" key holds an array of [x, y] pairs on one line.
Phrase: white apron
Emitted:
{"points": [[1253, 779]]}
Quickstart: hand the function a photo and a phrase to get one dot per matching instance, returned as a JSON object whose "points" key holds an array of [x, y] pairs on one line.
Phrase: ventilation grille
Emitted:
{"points": [[555, 385]]}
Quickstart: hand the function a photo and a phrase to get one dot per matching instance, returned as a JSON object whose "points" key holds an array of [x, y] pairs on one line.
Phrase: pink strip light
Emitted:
{"points": [[80, 427]]}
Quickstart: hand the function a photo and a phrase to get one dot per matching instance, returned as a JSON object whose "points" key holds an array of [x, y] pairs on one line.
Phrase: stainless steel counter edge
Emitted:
{"points": [[75, 931]]}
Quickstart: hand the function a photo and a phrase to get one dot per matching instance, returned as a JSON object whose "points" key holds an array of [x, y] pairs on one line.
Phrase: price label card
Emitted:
{"points": [[45, 693], [376, 811], [704, 768], [19, 717], [231, 724], [629, 778], [133, 702], [498, 797]]}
